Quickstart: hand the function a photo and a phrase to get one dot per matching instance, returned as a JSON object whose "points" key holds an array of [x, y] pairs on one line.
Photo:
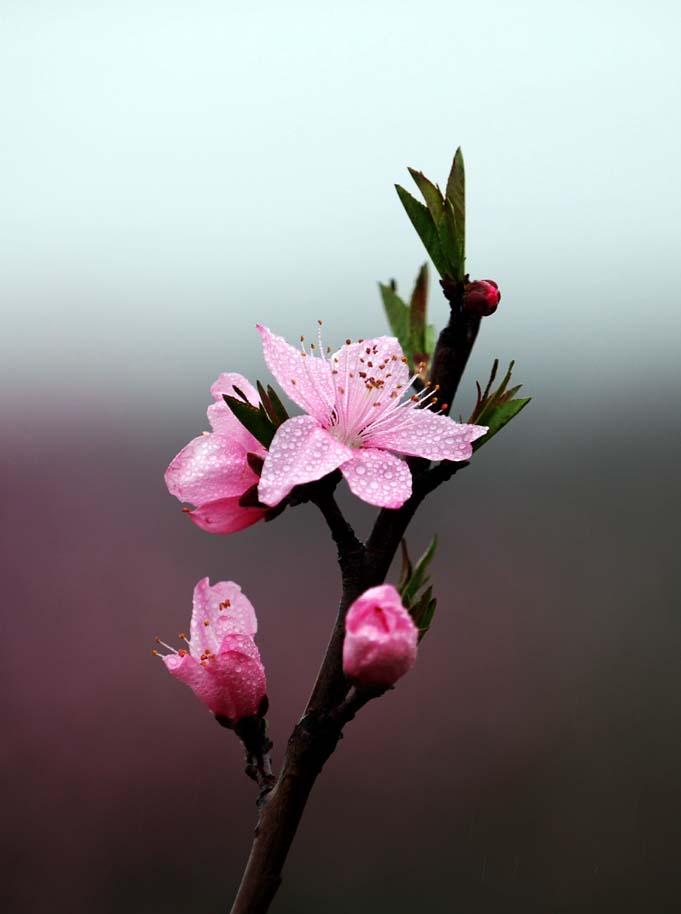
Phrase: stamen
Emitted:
{"points": [[168, 646], [225, 604]]}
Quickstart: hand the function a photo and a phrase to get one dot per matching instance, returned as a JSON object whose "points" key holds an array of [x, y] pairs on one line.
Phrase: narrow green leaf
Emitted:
{"points": [[431, 339], [456, 192], [422, 221], [451, 243], [397, 313], [406, 569], [419, 577], [252, 418], [431, 194], [499, 417], [417, 313]]}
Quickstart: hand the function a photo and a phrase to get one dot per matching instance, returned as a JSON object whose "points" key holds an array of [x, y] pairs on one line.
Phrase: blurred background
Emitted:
{"points": [[172, 172]]}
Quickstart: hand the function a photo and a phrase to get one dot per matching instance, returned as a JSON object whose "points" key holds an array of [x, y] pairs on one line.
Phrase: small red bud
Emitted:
{"points": [[481, 297]]}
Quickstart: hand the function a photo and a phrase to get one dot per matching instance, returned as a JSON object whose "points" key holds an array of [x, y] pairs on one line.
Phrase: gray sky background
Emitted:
{"points": [[173, 172]]}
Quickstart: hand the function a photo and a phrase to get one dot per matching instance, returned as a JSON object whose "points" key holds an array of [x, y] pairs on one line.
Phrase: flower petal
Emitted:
{"points": [[225, 515], [209, 467], [378, 478], [423, 433], [212, 620], [205, 686], [240, 672], [305, 378], [300, 452], [221, 417]]}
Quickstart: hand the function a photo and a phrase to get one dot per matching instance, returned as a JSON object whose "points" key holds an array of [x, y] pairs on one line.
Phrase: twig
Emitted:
{"points": [[329, 708]]}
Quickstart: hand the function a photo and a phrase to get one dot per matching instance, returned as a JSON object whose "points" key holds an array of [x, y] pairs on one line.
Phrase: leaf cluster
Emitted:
{"points": [[415, 588], [440, 222], [408, 321], [495, 408]]}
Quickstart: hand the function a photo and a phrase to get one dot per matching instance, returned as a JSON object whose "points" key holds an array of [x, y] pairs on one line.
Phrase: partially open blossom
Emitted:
{"points": [[380, 638], [481, 297], [212, 471], [221, 663], [359, 415]]}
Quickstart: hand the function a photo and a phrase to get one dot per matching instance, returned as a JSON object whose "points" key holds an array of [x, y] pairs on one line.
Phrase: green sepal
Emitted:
{"points": [[274, 408], [495, 409], [253, 418]]}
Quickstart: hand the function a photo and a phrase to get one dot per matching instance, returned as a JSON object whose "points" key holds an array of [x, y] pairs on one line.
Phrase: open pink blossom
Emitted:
{"points": [[212, 471], [222, 665], [380, 638], [359, 415]]}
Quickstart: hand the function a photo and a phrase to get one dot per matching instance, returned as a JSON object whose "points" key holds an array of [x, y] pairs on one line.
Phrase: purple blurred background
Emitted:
{"points": [[172, 175]]}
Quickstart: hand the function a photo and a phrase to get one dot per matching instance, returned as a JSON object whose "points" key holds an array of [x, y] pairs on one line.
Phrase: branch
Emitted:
{"points": [[329, 708]]}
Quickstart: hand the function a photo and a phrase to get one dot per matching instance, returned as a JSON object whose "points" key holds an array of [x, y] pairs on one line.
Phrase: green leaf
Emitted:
{"points": [[408, 321], [456, 193], [253, 418], [450, 242], [419, 576], [397, 313], [417, 313], [496, 408], [431, 194], [422, 220], [423, 611], [499, 417], [406, 569]]}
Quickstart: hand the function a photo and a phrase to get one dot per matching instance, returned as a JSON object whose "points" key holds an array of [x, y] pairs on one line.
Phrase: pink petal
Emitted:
{"points": [[305, 378], [225, 515], [378, 478], [209, 467], [241, 674], [206, 687], [238, 617], [300, 452], [221, 417], [423, 433]]}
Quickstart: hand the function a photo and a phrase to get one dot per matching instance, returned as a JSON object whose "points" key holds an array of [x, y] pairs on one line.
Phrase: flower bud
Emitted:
{"points": [[481, 297], [380, 638]]}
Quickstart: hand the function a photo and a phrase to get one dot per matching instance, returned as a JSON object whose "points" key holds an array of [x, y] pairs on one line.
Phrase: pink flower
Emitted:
{"points": [[357, 418], [481, 297], [380, 638], [212, 471], [222, 666]]}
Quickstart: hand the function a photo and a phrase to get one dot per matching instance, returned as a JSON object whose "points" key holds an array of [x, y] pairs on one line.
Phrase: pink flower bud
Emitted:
{"points": [[221, 664], [380, 638], [481, 297]]}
